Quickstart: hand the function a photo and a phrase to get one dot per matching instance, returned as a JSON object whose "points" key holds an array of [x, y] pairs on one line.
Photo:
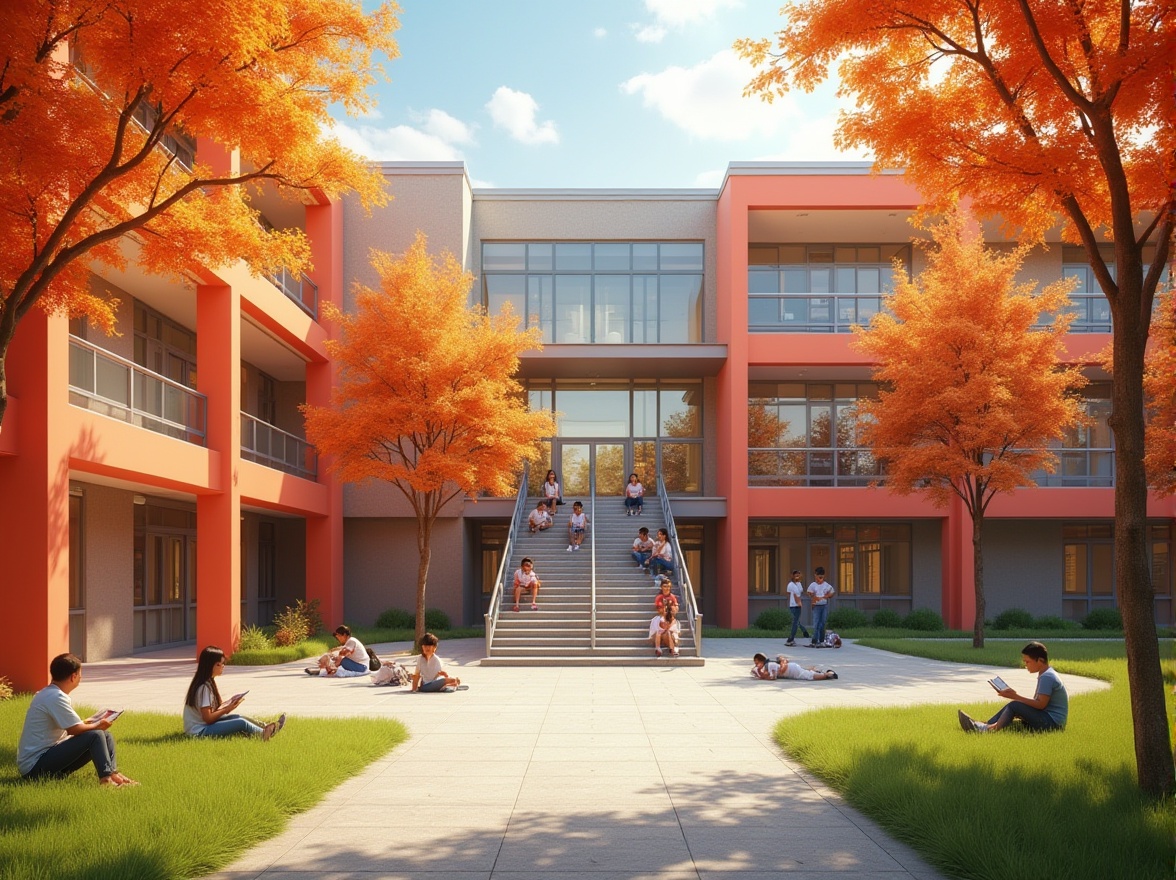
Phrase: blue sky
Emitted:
{"points": [[586, 93]]}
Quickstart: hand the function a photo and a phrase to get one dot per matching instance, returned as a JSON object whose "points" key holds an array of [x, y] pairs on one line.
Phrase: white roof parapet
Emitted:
{"points": [[596, 195], [846, 167]]}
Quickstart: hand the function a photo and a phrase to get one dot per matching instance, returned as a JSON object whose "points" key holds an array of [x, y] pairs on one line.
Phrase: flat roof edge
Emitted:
{"points": [[596, 195], [739, 169]]}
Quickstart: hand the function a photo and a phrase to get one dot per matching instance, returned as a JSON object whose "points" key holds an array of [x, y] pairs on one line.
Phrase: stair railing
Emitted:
{"points": [[499, 581], [689, 602], [592, 550]]}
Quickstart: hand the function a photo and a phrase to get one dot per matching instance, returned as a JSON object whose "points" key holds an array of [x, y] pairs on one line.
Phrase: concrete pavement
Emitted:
{"points": [[570, 773]]}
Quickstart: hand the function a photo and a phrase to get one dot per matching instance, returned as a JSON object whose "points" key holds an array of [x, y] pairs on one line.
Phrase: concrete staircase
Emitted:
{"points": [[559, 633]]}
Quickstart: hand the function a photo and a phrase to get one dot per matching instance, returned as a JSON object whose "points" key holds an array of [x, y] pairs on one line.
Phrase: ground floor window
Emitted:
{"points": [[164, 582], [867, 559], [1088, 574]]}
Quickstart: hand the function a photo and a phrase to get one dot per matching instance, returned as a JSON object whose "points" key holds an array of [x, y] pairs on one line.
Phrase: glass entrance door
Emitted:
{"points": [[589, 466]]}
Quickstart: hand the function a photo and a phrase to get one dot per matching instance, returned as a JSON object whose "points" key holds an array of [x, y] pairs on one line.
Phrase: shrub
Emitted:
{"points": [[394, 618], [1013, 618], [299, 622], [774, 618], [923, 619], [1052, 621], [1104, 618], [887, 618], [846, 618], [435, 619], [285, 638], [5, 688], [254, 638]]}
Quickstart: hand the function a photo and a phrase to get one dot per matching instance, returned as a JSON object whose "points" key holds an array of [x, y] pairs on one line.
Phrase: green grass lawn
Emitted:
{"points": [[1007, 805], [877, 632], [323, 642], [200, 805]]}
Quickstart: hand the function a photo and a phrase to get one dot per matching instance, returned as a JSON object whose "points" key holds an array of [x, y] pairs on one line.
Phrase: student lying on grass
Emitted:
{"points": [[784, 668], [206, 715], [1045, 710], [55, 742]]}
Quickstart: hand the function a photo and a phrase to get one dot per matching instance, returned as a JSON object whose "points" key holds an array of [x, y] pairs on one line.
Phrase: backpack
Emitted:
{"points": [[392, 675], [373, 661], [832, 640]]}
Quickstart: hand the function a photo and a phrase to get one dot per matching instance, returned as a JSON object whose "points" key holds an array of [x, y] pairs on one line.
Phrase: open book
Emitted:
{"points": [[998, 683], [235, 697], [104, 715]]}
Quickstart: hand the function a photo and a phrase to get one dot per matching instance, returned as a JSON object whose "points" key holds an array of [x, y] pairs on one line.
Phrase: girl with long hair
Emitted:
{"points": [[204, 712]]}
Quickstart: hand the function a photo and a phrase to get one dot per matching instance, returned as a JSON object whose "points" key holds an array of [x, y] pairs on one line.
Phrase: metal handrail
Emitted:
{"points": [[815, 312], [693, 615], [592, 534], [296, 289], [297, 456], [135, 394], [496, 595]]}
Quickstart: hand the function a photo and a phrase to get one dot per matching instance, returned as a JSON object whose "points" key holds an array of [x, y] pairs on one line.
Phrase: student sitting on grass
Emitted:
{"points": [[1045, 710], [55, 742], [429, 677], [206, 715], [784, 668]]}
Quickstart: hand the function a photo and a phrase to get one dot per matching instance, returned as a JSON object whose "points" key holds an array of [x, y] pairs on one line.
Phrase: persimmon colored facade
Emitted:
{"points": [[155, 488]]}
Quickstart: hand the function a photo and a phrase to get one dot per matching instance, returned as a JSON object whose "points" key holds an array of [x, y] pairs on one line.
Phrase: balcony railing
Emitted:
{"points": [[261, 442], [1092, 314], [113, 386], [302, 290], [807, 466], [810, 313]]}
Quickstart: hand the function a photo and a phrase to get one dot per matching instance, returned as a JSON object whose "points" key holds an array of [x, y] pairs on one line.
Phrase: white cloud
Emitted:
{"points": [[707, 101], [448, 128], [679, 13], [515, 112], [600, 33], [650, 33]]}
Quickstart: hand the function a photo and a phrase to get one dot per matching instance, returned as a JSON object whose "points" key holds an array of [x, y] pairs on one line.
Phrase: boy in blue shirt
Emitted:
{"points": [[1045, 710]]}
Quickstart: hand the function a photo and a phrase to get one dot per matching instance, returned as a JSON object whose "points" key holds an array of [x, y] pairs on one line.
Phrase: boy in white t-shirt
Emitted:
{"points": [[539, 520], [577, 526], [429, 677], [796, 606], [820, 590]]}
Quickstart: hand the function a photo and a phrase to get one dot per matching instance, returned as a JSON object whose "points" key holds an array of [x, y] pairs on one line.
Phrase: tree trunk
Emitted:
{"points": [[1153, 747], [424, 548], [978, 576]]}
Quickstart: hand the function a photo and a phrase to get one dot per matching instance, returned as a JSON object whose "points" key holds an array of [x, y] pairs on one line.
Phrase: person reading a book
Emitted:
{"points": [[205, 714], [55, 742], [1045, 710]]}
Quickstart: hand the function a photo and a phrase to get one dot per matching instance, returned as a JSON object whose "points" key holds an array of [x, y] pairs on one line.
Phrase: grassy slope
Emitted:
{"points": [[200, 805], [1006, 805]]}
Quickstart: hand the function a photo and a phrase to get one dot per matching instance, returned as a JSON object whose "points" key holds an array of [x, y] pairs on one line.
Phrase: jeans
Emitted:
{"points": [[75, 753], [1033, 719], [230, 725], [658, 565], [640, 558], [634, 503], [820, 612], [796, 609], [353, 665], [432, 687]]}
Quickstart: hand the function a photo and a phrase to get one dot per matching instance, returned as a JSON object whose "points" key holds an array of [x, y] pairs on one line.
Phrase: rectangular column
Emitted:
{"points": [[959, 575], [218, 514], [34, 504]]}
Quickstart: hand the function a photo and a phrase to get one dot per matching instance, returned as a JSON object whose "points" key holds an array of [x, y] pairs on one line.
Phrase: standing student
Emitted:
{"points": [[526, 581], [206, 715], [796, 606], [1047, 709], [642, 548], [634, 496], [577, 526], [663, 555], [820, 590], [55, 742], [429, 677]]}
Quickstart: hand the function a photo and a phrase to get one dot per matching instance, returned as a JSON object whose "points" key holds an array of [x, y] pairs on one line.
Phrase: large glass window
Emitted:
{"points": [[1088, 568], [864, 559], [1086, 454], [819, 288], [599, 292], [807, 434]]}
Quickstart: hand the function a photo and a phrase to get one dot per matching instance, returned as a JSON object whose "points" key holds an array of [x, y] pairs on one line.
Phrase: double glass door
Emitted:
{"points": [[592, 467]]}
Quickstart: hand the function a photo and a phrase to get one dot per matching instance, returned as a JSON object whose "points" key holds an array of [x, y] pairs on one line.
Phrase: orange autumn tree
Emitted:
{"points": [[102, 103], [1159, 384], [1036, 112], [427, 399], [972, 392]]}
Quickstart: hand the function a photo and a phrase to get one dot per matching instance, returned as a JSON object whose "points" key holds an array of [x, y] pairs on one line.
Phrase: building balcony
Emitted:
{"points": [[302, 291], [264, 444], [113, 386]]}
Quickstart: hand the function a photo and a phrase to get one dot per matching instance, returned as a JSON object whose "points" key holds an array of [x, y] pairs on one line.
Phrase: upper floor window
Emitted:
{"points": [[810, 288], [599, 292], [1092, 312]]}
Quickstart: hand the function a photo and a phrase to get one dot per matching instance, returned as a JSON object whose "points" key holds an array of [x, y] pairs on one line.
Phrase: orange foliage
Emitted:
{"points": [[82, 150], [972, 393], [1159, 384]]}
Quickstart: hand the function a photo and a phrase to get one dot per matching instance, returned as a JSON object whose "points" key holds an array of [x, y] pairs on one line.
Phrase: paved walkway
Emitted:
{"points": [[570, 773]]}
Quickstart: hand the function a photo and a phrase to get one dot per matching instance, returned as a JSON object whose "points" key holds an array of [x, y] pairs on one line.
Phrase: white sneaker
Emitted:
{"points": [[569, 548]]}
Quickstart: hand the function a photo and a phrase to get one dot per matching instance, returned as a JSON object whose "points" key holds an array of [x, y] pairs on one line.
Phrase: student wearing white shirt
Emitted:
{"points": [[820, 590], [796, 606]]}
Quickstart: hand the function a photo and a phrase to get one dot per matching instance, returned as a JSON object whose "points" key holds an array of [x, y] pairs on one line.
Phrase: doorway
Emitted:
{"points": [[592, 467]]}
